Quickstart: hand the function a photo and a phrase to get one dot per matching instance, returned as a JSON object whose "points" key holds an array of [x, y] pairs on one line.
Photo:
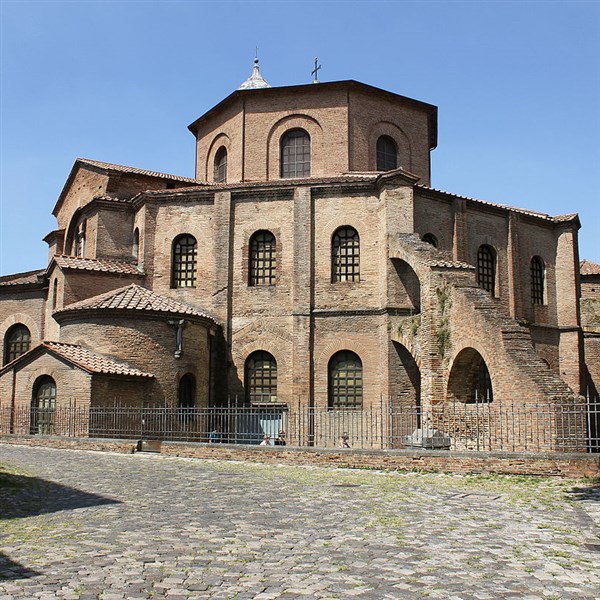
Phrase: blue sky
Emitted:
{"points": [[517, 85]]}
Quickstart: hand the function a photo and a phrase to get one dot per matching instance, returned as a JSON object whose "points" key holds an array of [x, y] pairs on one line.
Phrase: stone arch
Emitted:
{"points": [[240, 355], [23, 319], [399, 136], [71, 232], [219, 141], [404, 286], [470, 379], [295, 121]]}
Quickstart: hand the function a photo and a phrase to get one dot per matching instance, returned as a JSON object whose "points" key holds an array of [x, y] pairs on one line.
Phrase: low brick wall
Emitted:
{"points": [[514, 463]]}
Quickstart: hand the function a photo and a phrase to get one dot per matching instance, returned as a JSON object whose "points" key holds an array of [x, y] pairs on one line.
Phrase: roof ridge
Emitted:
{"points": [[126, 168]]}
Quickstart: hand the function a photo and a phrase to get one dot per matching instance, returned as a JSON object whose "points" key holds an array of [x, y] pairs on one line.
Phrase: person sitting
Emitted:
{"points": [[266, 441], [343, 443], [280, 439]]}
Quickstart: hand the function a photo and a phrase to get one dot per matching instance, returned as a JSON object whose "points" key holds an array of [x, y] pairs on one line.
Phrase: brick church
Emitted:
{"points": [[309, 262]]}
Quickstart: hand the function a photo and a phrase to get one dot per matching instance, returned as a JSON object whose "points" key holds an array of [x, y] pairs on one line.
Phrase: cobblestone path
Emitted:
{"points": [[87, 525]]}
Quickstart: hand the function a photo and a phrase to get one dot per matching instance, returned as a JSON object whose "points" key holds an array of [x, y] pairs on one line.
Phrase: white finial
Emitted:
{"points": [[256, 80]]}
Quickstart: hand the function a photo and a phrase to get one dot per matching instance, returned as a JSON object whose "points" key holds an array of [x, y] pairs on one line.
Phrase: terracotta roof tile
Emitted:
{"points": [[587, 267], [138, 298], [21, 278], [450, 264], [135, 171], [522, 211], [87, 360], [93, 264], [93, 362]]}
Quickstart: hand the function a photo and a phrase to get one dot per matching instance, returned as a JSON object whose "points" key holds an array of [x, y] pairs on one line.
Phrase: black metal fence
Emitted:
{"points": [[487, 426]]}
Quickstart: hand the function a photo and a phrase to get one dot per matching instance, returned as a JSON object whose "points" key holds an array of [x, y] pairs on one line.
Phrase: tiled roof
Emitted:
{"points": [[522, 211], [450, 264], [96, 264], [138, 298], [135, 171], [84, 359], [587, 267], [21, 278]]}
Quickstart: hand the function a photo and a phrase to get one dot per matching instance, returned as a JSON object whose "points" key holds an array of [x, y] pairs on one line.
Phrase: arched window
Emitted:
{"points": [[43, 405], [261, 377], [345, 389], [80, 240], [16, 342], [54, 293], [263, 259], [295, 154], [135, 246], [220, 173], [486, 268], [184, 261], [430, 239], [387, 154], [345, 255], [537, 280], [186, 393]]}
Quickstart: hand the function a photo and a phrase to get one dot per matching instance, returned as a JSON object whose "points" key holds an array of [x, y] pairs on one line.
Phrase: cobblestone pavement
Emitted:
{"points": [[87, 525]]}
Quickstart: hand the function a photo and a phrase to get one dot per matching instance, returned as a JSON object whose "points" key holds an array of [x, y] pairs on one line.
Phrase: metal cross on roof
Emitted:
{"points": [[315, 71]]}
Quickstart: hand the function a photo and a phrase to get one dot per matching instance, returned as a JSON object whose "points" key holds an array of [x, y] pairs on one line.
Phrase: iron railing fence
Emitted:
{"points": [[459, 426]]}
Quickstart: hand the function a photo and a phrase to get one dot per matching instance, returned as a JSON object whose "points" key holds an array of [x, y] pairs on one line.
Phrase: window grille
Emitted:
{"points": [[537, 280], [345, 255], [486, 268], [220, 173], [295, 154], [263, 259], [16, 342], [387, 154], [345, 381], [184, 261], [261, 378]]}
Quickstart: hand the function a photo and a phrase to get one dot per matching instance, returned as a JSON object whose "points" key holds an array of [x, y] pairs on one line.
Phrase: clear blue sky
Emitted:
{"points": [[517, 85]]}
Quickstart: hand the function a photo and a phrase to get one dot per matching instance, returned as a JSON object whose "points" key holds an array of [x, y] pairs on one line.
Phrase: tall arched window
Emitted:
{"points": [[261, 377], [220, 173], [54, 293], [345, 389], [387, 153], [135, 246], [486, 268], [295, 154], [184, 261], [186, 393], [345, 255], [263, 259], [80, 239], [17, 341], [537, 280], [43, 405]]}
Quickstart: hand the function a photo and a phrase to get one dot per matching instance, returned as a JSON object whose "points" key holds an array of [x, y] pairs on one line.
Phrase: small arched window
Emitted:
{"points": [[345, 389], [17, 341], [43, 406], [220, 172], [430, 239], [295, 154], [345, 255], [387, 153], [486, 268], [80, 239], [54, 293], [184, 261], [261, 378], [186, 393], [135, 246], [263, 259], [537, 280]]}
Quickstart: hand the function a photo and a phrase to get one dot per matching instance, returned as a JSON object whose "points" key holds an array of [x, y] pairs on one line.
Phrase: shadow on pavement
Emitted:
{"points": [[12, 570], [589, 492], [22, 496]]}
